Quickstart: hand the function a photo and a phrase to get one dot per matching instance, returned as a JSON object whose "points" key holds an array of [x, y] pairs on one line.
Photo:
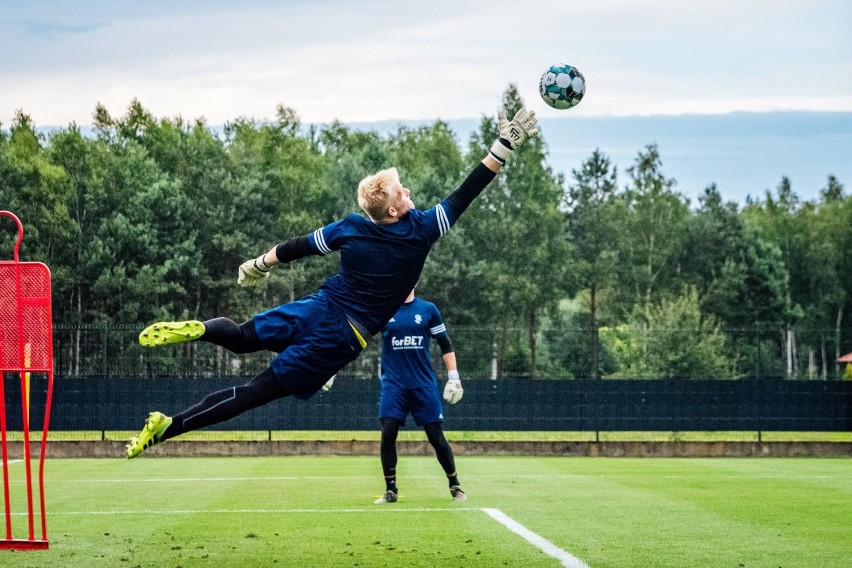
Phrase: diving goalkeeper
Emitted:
{"points": [[381, 258]]}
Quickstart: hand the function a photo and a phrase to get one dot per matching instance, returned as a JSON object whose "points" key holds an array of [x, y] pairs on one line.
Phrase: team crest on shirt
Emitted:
{"points": [[418, 319]]}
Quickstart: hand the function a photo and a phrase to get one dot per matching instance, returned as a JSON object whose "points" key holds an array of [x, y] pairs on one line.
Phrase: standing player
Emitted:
{"points": [[381, 258], [409, 385]]}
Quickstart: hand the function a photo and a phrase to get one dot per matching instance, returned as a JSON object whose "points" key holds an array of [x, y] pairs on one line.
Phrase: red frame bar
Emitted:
{"points": [[24, 367]]}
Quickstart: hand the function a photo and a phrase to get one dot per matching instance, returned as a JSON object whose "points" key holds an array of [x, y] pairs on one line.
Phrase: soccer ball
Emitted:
{"points": [[562, 86]]}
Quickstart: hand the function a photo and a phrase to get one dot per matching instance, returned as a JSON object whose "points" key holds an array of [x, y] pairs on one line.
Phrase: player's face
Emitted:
{"points": [[401, 200]]}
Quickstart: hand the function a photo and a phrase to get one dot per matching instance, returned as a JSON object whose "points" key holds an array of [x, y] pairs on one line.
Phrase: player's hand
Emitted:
{"points": [[522, 127], [513, 133], [453, 391], [253, 271], [327, 386]]}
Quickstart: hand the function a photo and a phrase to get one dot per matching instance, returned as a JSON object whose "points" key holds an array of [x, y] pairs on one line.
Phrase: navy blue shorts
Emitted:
{"points": [[314, 341], [423, 403]]}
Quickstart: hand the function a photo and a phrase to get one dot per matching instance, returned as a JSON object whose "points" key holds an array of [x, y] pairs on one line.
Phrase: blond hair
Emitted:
{"points": [[374, 193]]}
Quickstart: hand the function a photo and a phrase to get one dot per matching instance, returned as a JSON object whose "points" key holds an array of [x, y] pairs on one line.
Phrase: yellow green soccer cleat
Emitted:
{"points": [[168, 332], [155, 425]]}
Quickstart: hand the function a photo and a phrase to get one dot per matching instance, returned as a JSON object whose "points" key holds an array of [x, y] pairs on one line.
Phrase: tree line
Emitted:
{"points": [[547, 274]]}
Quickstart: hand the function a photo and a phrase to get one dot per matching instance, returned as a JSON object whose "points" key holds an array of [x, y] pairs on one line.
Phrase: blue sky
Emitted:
{"points": [[373, 60]]}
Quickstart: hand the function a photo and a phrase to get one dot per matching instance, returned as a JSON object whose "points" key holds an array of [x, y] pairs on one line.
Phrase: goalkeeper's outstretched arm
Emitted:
{"points": [[513, 133]]}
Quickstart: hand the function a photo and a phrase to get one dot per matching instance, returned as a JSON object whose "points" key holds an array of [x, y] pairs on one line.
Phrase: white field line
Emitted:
{"points": [[261, 511], [567, 559]]}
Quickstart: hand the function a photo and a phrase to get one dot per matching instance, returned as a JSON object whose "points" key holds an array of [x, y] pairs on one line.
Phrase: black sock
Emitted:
{"points": [[453, 478], [387, 450], [390, 482]]}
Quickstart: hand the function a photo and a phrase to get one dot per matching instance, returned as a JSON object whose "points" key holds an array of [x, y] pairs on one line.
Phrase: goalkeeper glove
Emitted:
{"points": [[513, 133], [253, 271], [453, 390]]}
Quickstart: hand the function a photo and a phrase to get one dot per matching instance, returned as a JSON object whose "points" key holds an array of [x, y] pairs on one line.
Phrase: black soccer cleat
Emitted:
{"points": [[457, 493], [388, 497]]}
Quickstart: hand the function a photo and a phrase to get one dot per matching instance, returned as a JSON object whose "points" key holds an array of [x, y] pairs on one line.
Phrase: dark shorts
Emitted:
{"points": [[423, 403], [314, 341]]}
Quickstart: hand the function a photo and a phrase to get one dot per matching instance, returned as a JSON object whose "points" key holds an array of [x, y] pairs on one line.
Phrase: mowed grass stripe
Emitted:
{"points": [[608, 512], [564, 557], [377, 509], [834, 477]]}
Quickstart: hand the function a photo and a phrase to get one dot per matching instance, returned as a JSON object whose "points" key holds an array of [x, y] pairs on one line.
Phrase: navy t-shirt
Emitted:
{"points": [[406, 361], [379, 264]]}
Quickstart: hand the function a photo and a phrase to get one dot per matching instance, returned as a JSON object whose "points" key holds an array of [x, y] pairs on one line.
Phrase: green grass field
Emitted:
{"points": [[319, 511]]}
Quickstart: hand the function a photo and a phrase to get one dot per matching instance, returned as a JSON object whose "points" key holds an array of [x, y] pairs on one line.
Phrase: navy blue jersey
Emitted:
{"points": [[379, 264], [406, 361]]}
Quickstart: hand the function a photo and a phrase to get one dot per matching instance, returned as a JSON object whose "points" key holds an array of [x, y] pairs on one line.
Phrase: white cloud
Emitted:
{"points": [[375, 60]]}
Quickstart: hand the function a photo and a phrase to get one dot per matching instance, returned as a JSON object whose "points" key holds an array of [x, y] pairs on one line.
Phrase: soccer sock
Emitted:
{"points": [[390, 480], [453, 478], [387, 451]]}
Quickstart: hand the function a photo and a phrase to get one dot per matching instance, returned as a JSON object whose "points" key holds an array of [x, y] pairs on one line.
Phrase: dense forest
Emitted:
{"points": [[549, 274]]}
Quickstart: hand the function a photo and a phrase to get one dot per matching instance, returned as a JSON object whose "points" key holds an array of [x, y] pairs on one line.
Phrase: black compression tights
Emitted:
{"points": [[228, 403], [435, 433], [237, 338]]}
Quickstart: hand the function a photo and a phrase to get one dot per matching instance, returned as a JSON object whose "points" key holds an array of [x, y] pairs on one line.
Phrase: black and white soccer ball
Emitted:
{"points": [[562, 86]]}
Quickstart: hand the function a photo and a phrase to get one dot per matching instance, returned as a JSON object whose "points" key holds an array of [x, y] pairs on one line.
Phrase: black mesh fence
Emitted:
{"points": [[558, 353], [106, 381], [106, 403]]}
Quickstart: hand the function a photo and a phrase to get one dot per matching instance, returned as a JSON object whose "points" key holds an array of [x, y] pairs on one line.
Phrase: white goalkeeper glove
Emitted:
{"points": [[253, 271], [453, 390], [327, 386], [513, 133]]}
